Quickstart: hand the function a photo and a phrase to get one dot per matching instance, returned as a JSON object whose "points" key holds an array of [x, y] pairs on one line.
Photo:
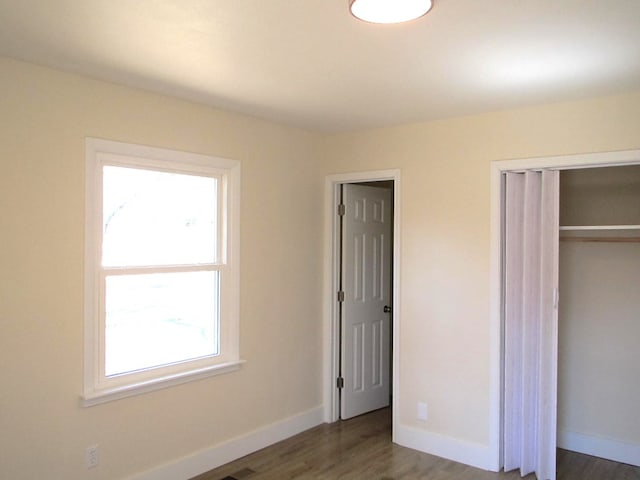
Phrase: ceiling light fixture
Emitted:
{"points": [[389, 11]]}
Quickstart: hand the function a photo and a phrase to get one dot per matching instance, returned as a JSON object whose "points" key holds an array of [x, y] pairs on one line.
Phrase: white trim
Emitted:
{"points": [[495, 460], [330, 330], [230, 450], [598, 446], [97, 397], [330, 313], [179, 158], [498, 168], [469, 453], [568, 162]]}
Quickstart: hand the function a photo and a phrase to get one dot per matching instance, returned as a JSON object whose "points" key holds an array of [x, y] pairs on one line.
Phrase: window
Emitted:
{"points": [[161, 254]]}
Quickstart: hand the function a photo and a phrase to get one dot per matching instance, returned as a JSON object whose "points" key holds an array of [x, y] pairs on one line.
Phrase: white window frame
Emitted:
{"points": [[98, 388]]}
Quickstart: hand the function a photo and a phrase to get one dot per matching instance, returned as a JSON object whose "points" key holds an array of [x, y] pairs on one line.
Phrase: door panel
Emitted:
{"points": [[366, 280]]}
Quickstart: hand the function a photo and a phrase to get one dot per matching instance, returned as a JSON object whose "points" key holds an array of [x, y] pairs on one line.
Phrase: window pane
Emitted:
{"points": [[158, 218], [159, 319]]}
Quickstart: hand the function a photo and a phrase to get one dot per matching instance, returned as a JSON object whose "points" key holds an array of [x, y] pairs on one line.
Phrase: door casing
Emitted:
{"points": [[331, 337]]}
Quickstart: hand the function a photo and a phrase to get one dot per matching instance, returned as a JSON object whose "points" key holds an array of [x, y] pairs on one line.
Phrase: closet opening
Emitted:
{"points": [[598, 316]]}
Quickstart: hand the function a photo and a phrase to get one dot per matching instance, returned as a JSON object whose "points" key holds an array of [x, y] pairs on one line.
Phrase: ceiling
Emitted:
{"points": [[310, 64]]}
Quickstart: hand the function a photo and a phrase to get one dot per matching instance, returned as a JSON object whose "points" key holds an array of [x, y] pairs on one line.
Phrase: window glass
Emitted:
{"points": [[159, 319], [158, 218]]}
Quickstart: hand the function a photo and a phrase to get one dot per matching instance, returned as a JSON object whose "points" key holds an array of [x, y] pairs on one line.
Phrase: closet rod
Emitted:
{"points": [[599, 227]]}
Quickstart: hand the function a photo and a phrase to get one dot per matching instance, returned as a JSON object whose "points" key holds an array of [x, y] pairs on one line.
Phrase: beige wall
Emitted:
{"points": [[445, 250], [44, 118], [599, 328], [444, 337]]}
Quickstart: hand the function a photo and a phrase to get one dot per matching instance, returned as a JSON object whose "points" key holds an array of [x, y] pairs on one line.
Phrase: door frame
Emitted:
{"points": [[331, 334], [498, 170]]}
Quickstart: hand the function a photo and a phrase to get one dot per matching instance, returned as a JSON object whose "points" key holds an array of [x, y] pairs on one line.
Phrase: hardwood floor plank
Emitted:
{"points": [[361, 448]]}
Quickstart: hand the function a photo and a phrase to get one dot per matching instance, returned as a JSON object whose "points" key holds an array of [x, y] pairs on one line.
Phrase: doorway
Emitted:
{"points": [[499, 170], [335, 340], [365, 217]]}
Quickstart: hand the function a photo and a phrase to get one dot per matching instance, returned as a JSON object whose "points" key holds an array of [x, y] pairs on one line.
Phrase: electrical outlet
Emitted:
{"points": [[423, 412], [91, 456]]}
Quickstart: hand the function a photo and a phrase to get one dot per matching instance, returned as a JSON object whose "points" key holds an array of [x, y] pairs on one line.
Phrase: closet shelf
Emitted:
{"points": [[601, 233]]}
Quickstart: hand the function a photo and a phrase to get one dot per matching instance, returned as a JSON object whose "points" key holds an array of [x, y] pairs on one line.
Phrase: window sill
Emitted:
{"points": [[96, 397]]}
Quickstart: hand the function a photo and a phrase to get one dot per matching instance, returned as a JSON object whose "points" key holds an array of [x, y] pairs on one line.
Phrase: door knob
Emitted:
{"points": [[386, 309]]}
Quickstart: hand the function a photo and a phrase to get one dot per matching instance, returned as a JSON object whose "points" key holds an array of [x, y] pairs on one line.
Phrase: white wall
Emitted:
{"points": [[599, 317]]}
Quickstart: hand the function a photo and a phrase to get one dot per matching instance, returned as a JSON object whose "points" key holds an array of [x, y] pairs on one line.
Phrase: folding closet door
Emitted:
{"points": [[530, 322]]}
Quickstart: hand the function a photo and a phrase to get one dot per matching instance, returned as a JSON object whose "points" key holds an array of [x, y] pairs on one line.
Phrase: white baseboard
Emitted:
{"points": [[469, 453], [208, 459], [600, 447]]}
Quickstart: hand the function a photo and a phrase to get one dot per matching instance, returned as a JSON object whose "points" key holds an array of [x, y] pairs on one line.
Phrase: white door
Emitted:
{"points": [[366, 308]]}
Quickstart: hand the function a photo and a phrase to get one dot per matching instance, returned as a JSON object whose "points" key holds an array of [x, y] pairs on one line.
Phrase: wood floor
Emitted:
{"points": [[361, 448]]}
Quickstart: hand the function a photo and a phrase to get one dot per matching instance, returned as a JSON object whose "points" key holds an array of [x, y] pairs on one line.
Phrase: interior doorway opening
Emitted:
{"points": [[335, 285], [365, 276]]}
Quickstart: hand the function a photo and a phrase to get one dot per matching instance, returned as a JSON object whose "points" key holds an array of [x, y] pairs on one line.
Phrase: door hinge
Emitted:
{"points": [[341, 296], [340, 382], [341, 209]]}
